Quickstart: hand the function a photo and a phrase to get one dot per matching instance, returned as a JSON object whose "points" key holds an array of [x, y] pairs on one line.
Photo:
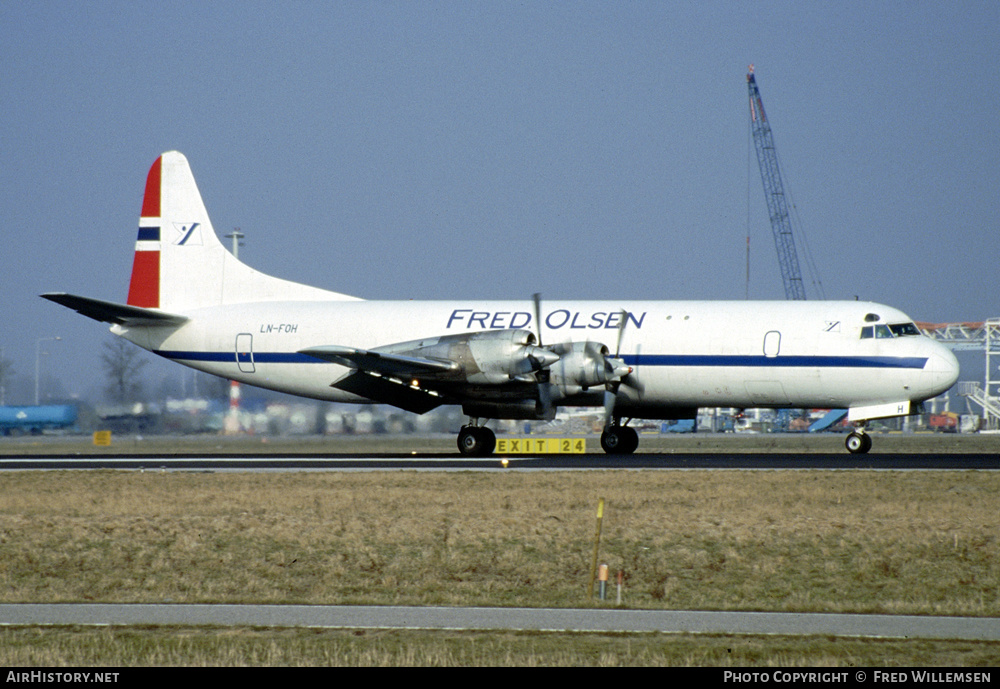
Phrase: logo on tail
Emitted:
{"points": [[189, 235]]}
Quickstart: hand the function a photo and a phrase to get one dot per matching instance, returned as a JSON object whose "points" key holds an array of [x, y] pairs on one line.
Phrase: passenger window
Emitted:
{"points": [[867, 332], [882, 331]]}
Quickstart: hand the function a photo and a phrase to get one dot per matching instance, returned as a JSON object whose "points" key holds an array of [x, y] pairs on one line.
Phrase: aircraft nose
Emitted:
{"points": [[942, 367]]}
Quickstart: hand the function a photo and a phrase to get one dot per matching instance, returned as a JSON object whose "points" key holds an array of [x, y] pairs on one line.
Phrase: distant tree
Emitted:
{"points": [[122, 362]]}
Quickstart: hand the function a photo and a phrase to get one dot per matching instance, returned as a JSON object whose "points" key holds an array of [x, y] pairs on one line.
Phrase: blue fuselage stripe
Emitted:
{"points": [[230, 357], [678, 360], [810, 361]]}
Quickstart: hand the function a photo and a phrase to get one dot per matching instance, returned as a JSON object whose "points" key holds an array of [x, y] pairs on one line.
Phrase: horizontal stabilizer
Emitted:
{"points": [[381, 362], [110, 312]]}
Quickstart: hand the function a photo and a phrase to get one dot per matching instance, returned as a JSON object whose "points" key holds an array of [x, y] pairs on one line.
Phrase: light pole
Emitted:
{"points": [[236, 236], [38, 356]]}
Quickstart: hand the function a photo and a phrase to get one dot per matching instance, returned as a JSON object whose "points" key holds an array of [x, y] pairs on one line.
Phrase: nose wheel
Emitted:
{"points": [[858, 442]]}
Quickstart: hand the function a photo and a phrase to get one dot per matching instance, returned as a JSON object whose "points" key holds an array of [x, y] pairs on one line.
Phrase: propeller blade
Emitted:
{"points": [[545, 399], [537, 298], [617, 370], [633, 381], [543, 359], [609, 405], [622, 322]]}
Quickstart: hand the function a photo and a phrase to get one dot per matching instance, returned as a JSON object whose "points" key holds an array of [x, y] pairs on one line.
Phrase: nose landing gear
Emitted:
{"points": [[858, 442]]}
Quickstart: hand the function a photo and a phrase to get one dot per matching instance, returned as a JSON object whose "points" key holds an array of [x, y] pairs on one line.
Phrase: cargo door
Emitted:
{"points": [[244, 352], [768, 393]]}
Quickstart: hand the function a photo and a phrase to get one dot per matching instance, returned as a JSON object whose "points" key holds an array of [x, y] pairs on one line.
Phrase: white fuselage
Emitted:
{"points": [[683, 354], [193, 302]]}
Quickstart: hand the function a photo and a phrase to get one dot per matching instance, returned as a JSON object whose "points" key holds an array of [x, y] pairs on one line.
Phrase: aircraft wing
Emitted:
{"points": [[419, 375], [110, 312], [390, 391], [382, 363], [385, 377]]}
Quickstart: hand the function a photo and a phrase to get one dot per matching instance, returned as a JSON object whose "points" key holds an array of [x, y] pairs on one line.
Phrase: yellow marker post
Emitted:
{"points": [[597, 544], [102, 438]]}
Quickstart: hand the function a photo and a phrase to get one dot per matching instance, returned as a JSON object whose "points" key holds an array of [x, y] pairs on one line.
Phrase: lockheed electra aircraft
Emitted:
{"points": [[192, 301]]}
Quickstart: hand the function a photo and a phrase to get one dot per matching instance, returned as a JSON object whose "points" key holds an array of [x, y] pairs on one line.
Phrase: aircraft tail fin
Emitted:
{"points": [[180, 264]]}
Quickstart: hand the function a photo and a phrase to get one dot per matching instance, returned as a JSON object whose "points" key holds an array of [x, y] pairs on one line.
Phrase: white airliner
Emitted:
{"points": [[191, 301]]}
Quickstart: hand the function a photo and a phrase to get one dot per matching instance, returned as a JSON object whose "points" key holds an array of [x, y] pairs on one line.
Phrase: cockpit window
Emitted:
{"points": [[888, 331], [904, 329]]}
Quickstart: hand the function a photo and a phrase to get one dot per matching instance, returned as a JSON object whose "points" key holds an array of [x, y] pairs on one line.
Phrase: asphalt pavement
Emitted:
{"points": [[517, 619]]}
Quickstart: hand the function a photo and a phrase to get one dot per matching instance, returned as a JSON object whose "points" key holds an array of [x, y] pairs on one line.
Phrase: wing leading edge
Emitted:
{"points": [[381, 362]]}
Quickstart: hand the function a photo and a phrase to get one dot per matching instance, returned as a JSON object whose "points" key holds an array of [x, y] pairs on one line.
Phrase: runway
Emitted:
{"points": [[455, 462], [516, 619]]}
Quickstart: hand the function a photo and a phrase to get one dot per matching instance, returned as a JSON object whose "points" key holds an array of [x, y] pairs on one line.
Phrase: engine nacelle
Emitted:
{"points": [[583, 365], [489, 357], [580, 364], [517, 409]]}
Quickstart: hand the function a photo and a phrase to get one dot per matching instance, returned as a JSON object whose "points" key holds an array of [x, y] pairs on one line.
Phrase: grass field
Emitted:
{"points": [[131, 647], [847, 541]]}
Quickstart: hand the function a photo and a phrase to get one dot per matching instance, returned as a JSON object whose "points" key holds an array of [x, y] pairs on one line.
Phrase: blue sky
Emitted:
{"points": [[480, 150]]}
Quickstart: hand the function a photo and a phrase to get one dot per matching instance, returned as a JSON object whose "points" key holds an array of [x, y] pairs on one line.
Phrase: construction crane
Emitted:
{"points": [[774, 194]]}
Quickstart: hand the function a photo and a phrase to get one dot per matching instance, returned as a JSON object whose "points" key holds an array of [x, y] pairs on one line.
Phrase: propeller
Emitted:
{"points": [[537, 299], [542, 374], [616, 370]]}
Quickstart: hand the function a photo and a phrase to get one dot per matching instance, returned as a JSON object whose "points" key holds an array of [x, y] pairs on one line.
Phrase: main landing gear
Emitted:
{"points": [[476, 441], [619, 440], [858, 442], [480, 441]]}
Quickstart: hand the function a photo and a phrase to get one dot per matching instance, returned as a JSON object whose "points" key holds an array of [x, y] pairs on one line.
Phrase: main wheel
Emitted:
{"points": [[619, 440], [858, 443], [489, 440], [477, 441]]}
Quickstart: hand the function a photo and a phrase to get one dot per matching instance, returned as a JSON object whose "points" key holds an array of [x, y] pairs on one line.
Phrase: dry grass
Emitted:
{"points": [[122, 648], [896, 542]]}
